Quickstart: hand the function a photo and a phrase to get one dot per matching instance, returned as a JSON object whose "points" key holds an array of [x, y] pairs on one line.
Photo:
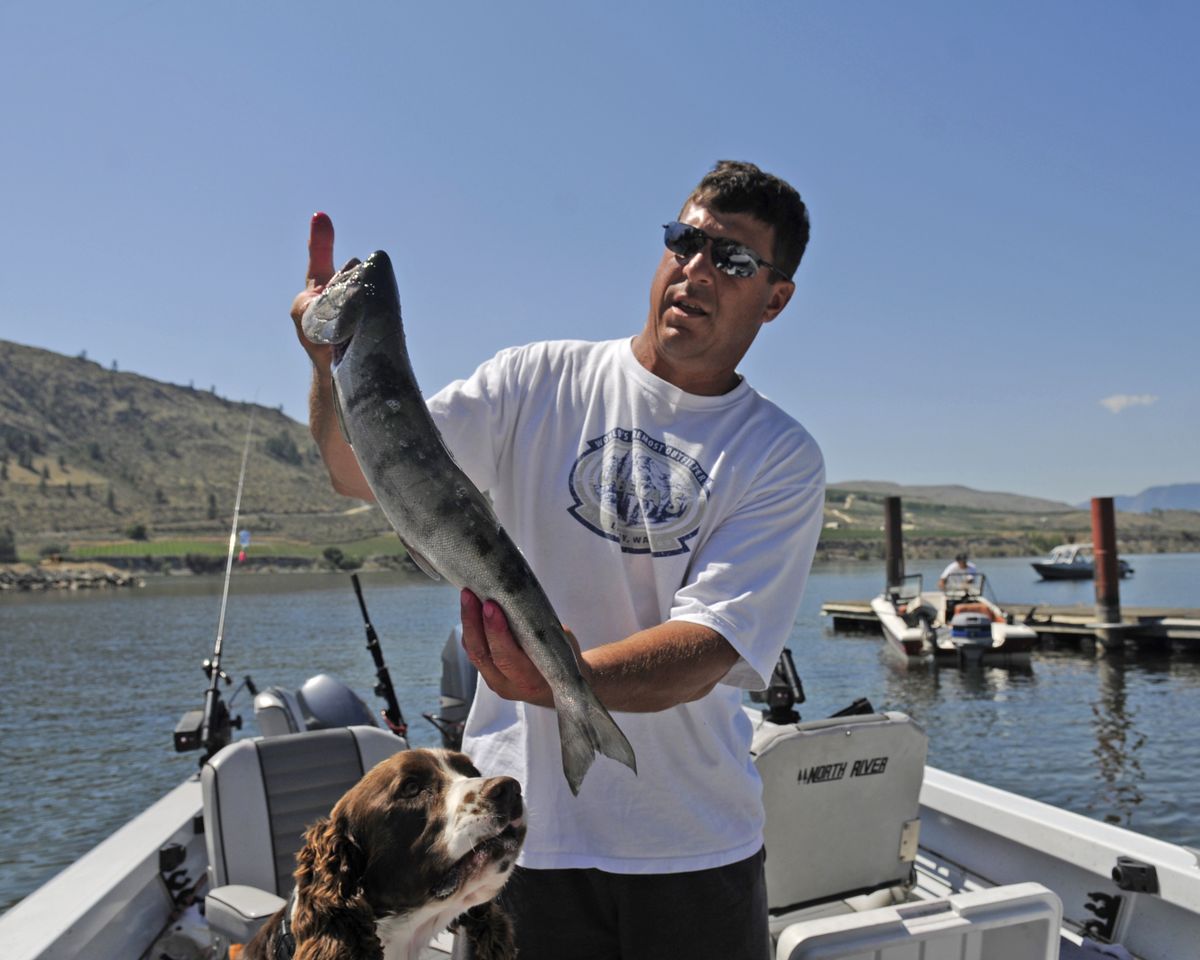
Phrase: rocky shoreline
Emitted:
{"points": [[132, 571], [65, 576]]}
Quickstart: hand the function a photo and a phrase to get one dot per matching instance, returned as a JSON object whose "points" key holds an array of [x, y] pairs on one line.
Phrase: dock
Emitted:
{"points": [[1140, 626]]}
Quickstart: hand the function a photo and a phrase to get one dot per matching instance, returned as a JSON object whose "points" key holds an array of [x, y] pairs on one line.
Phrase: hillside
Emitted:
{"points": [[957, 496], [87, 455], [90, 452], [941, 520]]}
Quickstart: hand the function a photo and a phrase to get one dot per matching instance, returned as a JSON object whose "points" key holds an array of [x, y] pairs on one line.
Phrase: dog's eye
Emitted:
{"points": [[410, 788]]}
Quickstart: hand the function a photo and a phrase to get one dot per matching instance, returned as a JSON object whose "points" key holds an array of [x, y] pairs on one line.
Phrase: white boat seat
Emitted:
{"points": [[237, 911], [842, 799], [260, 796], [1001, 923]]}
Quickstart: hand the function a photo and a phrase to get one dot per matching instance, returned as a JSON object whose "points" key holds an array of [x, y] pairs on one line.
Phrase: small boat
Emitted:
{"points": [[959, 623], [871, 851], [1074, 561]]}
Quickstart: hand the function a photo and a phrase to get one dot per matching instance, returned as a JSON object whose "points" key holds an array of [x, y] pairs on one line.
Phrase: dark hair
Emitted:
{"points": [[961, 557], [734, 186]]}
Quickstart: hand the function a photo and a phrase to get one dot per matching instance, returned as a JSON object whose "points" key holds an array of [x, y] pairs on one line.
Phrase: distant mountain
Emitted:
{"points": [[1174, 496], [953, 495]]}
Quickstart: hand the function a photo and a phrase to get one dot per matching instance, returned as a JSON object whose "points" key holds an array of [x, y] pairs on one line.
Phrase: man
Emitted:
{"points": [[960, 574], [671, 513]]}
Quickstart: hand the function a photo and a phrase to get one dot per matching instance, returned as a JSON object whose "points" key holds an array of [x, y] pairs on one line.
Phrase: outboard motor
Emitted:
{"points": [[321, 703], [459, 678]]}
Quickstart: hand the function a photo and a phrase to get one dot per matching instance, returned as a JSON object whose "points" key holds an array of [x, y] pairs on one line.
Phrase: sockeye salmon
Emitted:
{"points": [[443, 519]]}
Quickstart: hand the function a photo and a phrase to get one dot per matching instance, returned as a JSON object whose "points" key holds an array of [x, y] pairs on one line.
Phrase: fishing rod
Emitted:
{"points": [[212, 727], [384, 688]]}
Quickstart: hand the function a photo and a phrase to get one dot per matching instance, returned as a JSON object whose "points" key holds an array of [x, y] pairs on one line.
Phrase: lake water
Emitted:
{"points": [[95, 682]]}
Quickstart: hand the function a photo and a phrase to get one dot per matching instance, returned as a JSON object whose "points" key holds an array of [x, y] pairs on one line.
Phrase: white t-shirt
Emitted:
{"points": [[637, 503], [954, 575]]}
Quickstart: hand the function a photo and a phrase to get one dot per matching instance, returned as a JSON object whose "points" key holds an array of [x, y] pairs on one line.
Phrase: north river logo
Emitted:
{"points": [[639, 492]]}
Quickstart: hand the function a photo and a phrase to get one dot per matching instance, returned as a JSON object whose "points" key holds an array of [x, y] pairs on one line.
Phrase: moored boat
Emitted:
{"points": [[1074, 561], [960, 623]]}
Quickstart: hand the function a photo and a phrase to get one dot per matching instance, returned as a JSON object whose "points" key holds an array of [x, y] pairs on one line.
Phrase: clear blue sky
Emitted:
{"points": [[1005, 202]]}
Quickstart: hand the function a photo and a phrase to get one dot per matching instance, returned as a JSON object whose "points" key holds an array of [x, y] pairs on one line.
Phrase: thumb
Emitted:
{"points": [[320, 250]]}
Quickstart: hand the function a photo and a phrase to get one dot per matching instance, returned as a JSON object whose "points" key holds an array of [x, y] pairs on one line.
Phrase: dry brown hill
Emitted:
{"points": [[90, 451]]}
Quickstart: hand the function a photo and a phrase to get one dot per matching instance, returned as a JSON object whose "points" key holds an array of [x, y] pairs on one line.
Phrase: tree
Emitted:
{"points": [[283, 447], [8, 546]]}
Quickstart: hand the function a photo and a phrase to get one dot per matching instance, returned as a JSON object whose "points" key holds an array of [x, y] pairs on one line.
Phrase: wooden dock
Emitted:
{"points": [[1140, 626]]}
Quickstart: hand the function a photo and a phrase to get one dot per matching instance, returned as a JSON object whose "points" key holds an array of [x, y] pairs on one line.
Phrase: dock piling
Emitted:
{"points": [[893, 541], [1110, 630], [1104, 543]]}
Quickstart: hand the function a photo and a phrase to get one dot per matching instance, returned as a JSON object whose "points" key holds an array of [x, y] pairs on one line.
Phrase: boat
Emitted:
{"points": [[960, 623], [869, 848], [1074, 561]]}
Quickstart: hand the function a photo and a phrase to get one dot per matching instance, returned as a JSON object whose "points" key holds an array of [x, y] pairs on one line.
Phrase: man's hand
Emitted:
{"points": [[497, 656], [320, 272]]}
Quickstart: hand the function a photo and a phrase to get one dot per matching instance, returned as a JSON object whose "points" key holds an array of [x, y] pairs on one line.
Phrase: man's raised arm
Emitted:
{"points": [[344, 471]]}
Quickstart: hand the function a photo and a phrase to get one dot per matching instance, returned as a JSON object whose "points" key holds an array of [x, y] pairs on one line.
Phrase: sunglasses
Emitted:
{"points": [[728, 256]]}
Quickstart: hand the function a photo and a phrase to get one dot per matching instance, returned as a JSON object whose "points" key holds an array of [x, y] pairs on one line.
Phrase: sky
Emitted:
{"points": [[1003, 281]]}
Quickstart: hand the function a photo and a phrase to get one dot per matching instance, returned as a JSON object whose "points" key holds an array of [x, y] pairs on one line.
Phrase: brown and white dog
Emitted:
{"points": [[421, 839]]}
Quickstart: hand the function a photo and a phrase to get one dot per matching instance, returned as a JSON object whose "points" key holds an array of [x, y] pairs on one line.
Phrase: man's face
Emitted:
{"points": [[702, 321]]}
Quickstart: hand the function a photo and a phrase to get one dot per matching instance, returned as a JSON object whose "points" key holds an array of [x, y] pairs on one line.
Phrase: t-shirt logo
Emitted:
{"points": [[638, 491]]}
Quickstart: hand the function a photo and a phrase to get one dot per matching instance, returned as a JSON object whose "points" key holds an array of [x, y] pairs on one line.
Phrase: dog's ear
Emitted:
{"points": [[333, 920], [490, 931]]}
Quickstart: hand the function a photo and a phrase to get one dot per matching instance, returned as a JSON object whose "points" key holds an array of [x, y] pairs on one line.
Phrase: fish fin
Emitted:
{"points": [[422, 562], [586, 728]]}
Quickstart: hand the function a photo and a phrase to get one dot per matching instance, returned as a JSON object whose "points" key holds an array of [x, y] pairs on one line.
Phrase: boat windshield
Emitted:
{"points": [[962, 585], [909, 588], [1070, 553]]}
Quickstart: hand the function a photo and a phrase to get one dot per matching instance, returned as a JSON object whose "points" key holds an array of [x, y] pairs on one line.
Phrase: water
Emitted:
{"points": [[95, 683]]}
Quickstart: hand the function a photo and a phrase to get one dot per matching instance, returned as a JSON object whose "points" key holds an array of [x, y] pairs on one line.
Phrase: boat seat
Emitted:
{"points": [[842, 799], [978, 608], [1021, 920], [260, 795]]}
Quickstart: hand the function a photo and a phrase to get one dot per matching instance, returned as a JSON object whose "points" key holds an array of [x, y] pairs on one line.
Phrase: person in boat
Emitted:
{"points": [[671, 513], [960, 575]]}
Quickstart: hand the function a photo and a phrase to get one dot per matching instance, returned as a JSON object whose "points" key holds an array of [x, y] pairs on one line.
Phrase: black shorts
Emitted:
{"points": [[716, 914]]}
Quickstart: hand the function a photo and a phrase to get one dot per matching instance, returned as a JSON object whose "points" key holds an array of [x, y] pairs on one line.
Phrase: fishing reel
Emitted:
{"points": [[211, 727], [783, 692]]}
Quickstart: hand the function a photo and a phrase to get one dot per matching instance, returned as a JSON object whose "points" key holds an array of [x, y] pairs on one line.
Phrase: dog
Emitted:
{"points": [[421, 842]]}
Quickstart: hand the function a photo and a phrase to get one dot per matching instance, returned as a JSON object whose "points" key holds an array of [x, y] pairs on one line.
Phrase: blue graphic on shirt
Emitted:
{"points": [[639, 492]]}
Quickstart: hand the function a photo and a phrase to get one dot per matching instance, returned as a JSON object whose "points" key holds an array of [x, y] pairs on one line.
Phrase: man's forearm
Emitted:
{"points": [[344, 471], [673, 663]]}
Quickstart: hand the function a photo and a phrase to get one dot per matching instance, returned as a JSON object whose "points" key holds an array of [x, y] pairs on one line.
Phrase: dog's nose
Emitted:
{"points": [[504, 794]]}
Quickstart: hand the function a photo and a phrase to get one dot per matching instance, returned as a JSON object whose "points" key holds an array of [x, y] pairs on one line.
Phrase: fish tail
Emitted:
{"points": [[585, 728]]}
